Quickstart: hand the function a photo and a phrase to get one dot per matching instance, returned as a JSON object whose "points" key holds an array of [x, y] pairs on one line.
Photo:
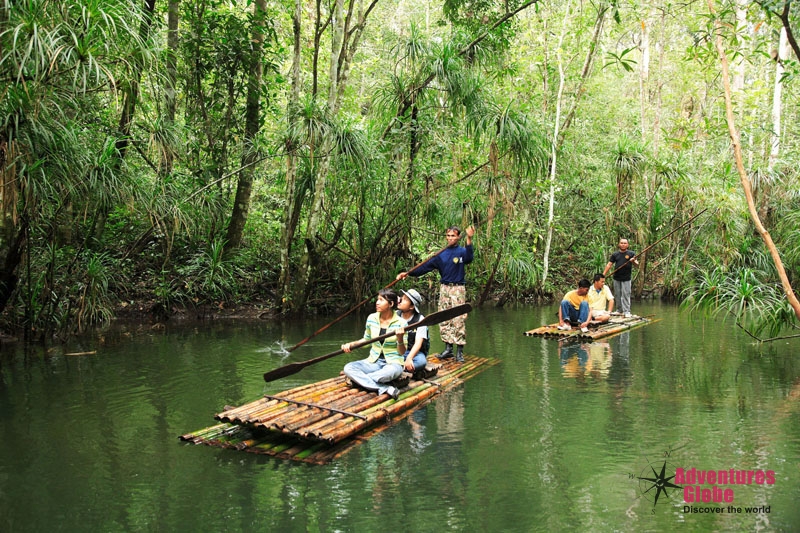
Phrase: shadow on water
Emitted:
{"points": [[555, 437]]}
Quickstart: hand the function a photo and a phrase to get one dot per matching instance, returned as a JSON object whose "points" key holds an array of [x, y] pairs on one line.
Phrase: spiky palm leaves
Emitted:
{"points": [[629, 163], [748, 295], [61, 66]]}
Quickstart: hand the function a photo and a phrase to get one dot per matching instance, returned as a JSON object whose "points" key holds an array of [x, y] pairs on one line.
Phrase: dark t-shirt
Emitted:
{"points": [[618, 259], [449, 262]]}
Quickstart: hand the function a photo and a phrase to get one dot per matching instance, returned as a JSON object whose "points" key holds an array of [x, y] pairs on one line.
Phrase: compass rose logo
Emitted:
{"points": [[656, 484], [656, 480]]}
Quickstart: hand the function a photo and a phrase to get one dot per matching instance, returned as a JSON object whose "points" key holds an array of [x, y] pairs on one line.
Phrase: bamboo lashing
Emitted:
{"points": [[318, 406]]}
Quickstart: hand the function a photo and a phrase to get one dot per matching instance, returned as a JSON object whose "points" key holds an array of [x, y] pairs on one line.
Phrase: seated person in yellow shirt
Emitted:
{"points": [[575, 308], [601, 301]]}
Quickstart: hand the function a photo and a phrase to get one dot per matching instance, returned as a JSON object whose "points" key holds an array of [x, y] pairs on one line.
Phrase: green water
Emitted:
{"points": [[554, 438]]}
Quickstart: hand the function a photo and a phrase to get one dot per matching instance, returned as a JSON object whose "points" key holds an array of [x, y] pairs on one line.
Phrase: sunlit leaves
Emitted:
{"points": [[622, 60], [514, 133], [77, 43]]}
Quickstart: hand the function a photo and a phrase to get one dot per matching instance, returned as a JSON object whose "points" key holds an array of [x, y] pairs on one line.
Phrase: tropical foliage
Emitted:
{"points": [[300, 154]]}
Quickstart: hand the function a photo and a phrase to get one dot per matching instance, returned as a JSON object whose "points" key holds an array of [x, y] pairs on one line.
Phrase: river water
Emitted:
{"points": [[553, 438]]}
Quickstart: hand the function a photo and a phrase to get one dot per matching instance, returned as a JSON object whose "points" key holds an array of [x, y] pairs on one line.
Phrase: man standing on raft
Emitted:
{"points": [[622, 260], [450, 263]]}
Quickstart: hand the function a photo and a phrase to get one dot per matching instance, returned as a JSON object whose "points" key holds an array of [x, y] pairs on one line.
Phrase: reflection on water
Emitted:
{"points": [[544, 441], [585, 359], [594, 360]]}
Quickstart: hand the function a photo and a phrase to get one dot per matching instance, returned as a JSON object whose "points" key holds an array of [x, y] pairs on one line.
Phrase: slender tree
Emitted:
{"points": [[743, 176], [554, 149], [244, 186]]}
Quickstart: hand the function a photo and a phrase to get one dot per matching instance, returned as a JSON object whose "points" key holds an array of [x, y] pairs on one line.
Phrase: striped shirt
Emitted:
{"points": [[389, 345]]}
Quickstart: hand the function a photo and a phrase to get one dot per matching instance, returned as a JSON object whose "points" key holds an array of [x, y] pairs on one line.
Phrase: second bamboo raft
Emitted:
{"points": [[318, 422], [617, 324]]}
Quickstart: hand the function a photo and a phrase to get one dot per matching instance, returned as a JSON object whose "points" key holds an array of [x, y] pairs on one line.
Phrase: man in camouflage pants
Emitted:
{"points": [[450, 263]]}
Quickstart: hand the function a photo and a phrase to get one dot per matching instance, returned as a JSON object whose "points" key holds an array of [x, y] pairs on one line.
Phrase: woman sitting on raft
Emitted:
{"points": [[385, 361]]}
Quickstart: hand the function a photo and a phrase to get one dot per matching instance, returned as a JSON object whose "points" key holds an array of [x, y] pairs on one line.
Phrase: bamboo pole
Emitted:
{"points": [[262, 408], [221, 435], [310, 431], [299, 418], [289, 394], [386, 410], [310, 450], [298, 422], [342, 431], [278, 410], [201, 433], [294, 450], [321, 402], [352, 426]]}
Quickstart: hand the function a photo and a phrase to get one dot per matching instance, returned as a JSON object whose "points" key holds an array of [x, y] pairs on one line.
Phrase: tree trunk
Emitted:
{"points": [[585, 71], [13, 229], [644, 104], [784, 16], [644, 75], [337, 38], [739, 63], [775, 145], [352, 37], [319, 29], [554, 152], [291, 214], [170, 104], [244, 188], [315, 215], [762, 193], [745, 179], [130, 91], [12, 259], [504, 232]]}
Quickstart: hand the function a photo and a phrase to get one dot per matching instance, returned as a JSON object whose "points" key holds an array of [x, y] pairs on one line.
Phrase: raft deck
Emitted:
{"points": [[597, 330], [318, 422]]}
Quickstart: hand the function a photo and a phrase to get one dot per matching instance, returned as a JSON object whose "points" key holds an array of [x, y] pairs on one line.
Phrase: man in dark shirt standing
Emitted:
{"points": [[451, 264], [622, 262]]}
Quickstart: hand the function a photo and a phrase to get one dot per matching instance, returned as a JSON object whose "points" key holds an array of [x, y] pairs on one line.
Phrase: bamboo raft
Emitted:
{"points": [[597, 330], [319, 422]]}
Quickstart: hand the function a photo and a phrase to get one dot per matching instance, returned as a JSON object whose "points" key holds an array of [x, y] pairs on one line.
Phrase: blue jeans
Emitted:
{"points": [[570, 314], [419, 360], [373, 376]]}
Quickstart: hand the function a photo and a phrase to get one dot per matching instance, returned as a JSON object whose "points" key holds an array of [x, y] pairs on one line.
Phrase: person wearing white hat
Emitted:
{"points": [[417, 342]]}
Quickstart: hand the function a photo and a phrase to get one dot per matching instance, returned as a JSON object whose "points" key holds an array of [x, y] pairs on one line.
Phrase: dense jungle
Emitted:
{"points": [[163, 158]]}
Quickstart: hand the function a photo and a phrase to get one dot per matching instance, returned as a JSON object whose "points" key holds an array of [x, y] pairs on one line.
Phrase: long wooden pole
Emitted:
{"points": [[359, 304], [390, 285], [430, 320], [659, 240]]}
